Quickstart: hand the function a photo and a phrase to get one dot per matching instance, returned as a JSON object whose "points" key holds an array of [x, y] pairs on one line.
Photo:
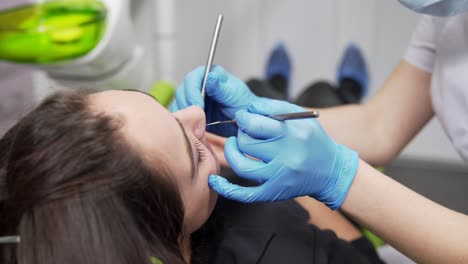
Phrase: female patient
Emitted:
{"points": [[93, 179], [113, 177]]}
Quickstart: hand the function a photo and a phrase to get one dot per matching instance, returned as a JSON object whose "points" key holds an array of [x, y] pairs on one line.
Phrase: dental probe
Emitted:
{"points": [[214, 42], [280, 117]]}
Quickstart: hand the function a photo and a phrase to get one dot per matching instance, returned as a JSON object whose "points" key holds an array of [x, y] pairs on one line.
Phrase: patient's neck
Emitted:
{"points": [[186, 247]]}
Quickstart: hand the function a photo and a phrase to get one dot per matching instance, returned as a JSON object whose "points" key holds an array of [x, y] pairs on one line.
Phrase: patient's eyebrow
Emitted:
{"points": [[189, 147]]}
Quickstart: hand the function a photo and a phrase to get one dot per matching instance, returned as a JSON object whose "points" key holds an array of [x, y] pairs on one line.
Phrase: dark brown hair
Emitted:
{"points": [[75, 191]]}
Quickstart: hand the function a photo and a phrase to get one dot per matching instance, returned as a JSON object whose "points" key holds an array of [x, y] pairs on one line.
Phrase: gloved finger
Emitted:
{"points": [[243, 166], [273, 107], [214, 84], [235, 192], [192, 87], [259, 126], [265, 150], [225, 88]]}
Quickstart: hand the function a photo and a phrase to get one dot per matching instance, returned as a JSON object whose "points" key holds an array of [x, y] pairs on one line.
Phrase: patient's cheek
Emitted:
{"points": [[217, 145]]}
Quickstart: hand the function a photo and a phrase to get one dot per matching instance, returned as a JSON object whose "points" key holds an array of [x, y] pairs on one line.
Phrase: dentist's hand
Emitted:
{"points": [[296, 158], [225, 95]]}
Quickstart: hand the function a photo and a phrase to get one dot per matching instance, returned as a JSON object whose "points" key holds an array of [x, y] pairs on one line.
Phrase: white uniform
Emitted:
{"points": [[440, 45]]}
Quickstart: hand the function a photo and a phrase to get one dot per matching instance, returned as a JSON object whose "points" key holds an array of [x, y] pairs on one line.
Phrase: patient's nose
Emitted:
{"points": [[193, 118]]}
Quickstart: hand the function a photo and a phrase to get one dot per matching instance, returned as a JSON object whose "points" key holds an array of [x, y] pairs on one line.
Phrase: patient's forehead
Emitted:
{"points": [[147, 125]]}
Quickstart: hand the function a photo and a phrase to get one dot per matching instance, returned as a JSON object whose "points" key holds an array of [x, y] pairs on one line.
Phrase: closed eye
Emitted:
{"points": [[202, 152]]}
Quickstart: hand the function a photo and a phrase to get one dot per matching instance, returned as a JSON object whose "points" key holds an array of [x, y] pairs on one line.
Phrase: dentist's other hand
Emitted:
{"points": [[296, 158], [225, 95]]}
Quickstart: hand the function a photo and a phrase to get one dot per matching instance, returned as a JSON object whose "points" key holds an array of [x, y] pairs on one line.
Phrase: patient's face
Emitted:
{"points": [[178, 139]]}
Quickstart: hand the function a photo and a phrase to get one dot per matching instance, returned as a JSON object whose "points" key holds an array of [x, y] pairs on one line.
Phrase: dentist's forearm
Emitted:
{"points": [[421, 229], [360, 131]]}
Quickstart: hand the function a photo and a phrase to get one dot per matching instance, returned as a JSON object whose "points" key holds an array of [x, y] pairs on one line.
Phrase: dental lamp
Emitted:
{"points": [[104, 44]]}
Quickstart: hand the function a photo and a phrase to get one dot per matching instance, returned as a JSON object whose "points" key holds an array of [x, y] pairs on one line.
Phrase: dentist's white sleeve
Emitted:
{"points": [[421, 51]]}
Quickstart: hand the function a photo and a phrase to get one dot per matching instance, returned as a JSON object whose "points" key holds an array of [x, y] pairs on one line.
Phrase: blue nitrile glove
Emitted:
{"points": [[225, 95], [295, 158]]}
